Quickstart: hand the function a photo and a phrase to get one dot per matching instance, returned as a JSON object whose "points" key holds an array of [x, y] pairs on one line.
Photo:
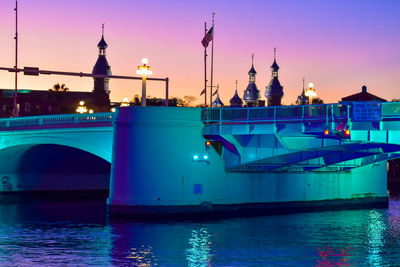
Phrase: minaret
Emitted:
{"points": [[274, 90], [302, 99], [251, 94], [236, 101], [217, 103], [101, 92], [101, 67]]}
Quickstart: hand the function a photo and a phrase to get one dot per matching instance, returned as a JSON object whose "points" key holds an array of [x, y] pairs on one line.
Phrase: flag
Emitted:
{"points": [[203, 92], [208, 37]]}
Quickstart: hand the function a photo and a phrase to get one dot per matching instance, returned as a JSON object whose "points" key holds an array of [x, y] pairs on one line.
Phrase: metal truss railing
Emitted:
{"points": [[347, 111], [58, 121]]}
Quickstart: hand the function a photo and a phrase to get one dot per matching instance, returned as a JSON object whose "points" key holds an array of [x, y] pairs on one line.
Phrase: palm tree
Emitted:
{"points": [[59, 88]]}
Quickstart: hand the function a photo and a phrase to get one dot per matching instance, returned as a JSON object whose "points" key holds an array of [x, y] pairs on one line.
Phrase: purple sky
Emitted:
{"points": [[338, 45]]}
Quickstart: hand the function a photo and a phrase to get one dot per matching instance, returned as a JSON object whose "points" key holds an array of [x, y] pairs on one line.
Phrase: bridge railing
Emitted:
{"points": [[58, 121], [327, 112], [391, 109]]}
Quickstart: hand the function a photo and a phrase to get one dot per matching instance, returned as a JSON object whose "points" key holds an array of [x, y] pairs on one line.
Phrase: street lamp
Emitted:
{"points": [[144, 70], [125, 102], [81, 108], [310, 93]]}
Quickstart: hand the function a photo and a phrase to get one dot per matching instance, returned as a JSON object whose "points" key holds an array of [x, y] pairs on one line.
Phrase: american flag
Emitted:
{"points": [[208, 37]]}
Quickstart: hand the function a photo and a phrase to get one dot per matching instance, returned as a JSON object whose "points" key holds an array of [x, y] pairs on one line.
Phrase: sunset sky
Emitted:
{"points": [[338, 45]]}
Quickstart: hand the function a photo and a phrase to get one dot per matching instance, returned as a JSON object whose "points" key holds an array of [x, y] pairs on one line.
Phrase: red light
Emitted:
{"points": [[347, 132], [208, 143], [326, 132]]}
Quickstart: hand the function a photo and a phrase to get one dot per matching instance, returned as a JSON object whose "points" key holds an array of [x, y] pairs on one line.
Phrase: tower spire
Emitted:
{"points": [[102, 45], [252, 60], [274, 90]]}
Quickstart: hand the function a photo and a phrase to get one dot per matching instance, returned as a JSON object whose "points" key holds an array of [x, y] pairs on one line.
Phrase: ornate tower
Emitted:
{"points": [[274, 90], [101, 90], [236, 101], [251, 94], [302, 99]]}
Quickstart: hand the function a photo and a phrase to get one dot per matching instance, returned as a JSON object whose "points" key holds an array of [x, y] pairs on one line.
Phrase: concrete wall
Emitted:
{"points": [[153, 165]]}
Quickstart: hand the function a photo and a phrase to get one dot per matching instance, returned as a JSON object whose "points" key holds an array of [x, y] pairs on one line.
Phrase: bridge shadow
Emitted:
{"points": [[393, 177], [48, 172]]}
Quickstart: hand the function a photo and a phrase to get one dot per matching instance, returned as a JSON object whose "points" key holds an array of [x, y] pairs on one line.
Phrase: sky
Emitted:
{"points": [[339, 45]]}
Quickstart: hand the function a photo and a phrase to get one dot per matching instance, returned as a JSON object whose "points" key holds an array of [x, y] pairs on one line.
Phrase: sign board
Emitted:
{"points": [[366, 111], [31, 71]]}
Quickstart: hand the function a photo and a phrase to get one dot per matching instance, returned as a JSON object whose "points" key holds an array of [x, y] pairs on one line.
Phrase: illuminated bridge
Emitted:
{"points": [[332, 137], [75, 152], [57, 152]]}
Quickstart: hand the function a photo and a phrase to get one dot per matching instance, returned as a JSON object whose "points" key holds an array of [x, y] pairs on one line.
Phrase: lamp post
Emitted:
{"points": [[144, 70], [125, 102], [81, 108], [310, 93]]}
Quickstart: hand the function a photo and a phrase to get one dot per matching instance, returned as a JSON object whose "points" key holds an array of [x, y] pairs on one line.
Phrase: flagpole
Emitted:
{"points": [[15, 105], [205, 68], [212, 58]]}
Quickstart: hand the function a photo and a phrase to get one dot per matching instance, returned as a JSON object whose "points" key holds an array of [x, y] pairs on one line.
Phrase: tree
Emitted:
{"points": [[59, 88], [317, 100], [187, 101]]}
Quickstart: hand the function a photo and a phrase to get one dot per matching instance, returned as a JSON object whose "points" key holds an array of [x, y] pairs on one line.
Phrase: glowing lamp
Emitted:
{"points": [[310, 92], [326, 132], [208, 143], [347, 132], [113, 110], [144, 70], [81, 108], [195, 157], [205, 157], [90, 111]]}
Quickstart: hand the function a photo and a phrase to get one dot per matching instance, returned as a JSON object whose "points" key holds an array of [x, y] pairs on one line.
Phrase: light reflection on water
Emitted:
{"points": [[79, 234]]}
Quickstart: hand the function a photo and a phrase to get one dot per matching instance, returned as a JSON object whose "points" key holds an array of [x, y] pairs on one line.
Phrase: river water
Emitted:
{"points": [[80, 234]]}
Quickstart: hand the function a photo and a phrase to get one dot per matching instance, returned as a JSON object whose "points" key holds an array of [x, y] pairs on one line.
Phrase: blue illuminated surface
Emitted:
{"points": [[79, 234]]}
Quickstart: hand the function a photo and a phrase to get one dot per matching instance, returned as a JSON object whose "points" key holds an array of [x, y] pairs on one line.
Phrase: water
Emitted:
{"points": [[80, 234]]}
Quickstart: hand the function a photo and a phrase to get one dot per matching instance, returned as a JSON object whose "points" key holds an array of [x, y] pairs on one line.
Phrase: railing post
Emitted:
{"points": [[8, 123], [75, 119], [327, 116], [348, 112]]}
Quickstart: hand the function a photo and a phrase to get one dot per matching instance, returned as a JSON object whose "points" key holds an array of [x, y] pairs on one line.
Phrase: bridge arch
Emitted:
{"points": [[56, 159], [52, 167]]}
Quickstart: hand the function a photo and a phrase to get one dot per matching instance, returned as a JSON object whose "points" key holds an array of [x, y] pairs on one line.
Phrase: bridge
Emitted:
{"points": [[159, 155], [332, 137], [56, 152]]}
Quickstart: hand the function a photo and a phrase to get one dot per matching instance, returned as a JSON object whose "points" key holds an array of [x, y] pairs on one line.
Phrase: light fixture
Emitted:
{"points": [[310, 92], [81, 108], [144, 71]]}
